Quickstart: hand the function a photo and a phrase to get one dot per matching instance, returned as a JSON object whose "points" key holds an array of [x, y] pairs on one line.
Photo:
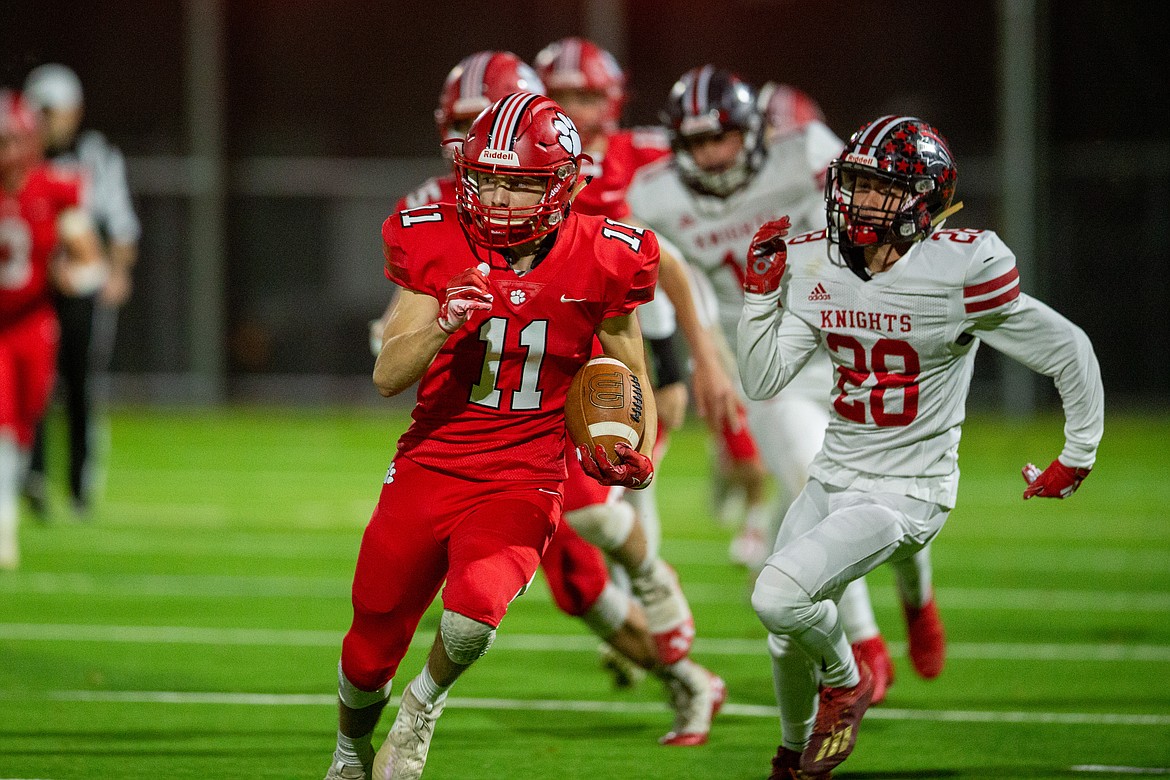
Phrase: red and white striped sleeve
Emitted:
{"points": [[991, 288]]}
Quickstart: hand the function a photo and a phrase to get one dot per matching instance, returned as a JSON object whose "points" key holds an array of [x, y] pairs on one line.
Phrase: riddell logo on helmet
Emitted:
{"points": [[863, 159], [499, 157]]}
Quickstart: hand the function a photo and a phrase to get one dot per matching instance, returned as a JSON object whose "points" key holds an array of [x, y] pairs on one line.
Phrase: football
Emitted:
{"points": [[604, 406]]}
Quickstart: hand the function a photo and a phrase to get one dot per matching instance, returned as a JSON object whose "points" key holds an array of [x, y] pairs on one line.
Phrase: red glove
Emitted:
{"points": [[767, 257], [633, 469], [467, 293], [1056, 481]]}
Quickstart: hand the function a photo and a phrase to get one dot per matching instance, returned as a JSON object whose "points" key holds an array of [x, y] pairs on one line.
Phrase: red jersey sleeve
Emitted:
{"points": [[412, 243], [639, 267]]}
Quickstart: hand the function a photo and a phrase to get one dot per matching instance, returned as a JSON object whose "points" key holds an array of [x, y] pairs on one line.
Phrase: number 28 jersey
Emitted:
{"points": [[491, 404], [903, 346]]}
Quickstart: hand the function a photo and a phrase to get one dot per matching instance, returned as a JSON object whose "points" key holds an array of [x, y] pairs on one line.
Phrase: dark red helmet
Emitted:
{"points": [[578, 63], [524, 135], [478, 81], [906, 152], [707, 101]]}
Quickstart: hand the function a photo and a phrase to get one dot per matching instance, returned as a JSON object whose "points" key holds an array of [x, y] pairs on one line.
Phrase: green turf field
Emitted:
{"points": [[192, 629]]}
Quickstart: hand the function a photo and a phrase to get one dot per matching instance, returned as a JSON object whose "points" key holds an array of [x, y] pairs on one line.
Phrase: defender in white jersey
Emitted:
{"points": [[724, 181], [902, 305]]}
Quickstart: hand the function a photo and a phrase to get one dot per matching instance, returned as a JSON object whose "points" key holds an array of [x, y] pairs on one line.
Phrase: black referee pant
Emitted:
{"points": [[82, 321]]}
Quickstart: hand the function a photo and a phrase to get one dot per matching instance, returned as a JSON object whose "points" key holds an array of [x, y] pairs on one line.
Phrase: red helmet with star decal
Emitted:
{"points": [[906, 152], [479, 80], [523, 136]]}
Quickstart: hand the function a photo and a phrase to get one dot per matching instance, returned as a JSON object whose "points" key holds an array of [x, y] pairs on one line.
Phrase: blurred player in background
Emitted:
{"points": [[724, 180], [502, 297], [739, 476], [653, 633], [901, 303], [88, 321], [588, 83], [47, 241]]}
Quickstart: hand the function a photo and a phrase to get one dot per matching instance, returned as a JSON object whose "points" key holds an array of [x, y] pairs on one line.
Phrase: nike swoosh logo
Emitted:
{"points": [[570, 300], [550, 492], [988, 260]]}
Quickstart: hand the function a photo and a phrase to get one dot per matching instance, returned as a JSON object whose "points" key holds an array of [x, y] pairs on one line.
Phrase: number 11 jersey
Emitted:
{"points": [[491, 404]]}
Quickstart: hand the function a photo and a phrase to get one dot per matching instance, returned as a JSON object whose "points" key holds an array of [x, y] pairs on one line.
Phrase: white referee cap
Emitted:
{"points": [[53, 86]]}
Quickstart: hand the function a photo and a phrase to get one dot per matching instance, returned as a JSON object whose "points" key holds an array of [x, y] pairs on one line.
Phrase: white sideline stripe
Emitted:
{"points": [[56, 632], [227, 543], [265, 586], [559, 705], [1121, 770]]}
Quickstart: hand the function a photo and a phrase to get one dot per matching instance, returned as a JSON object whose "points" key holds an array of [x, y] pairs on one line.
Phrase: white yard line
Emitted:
{"points": [[559, 705], [300, 587], [193, 635], [1121, 770]]}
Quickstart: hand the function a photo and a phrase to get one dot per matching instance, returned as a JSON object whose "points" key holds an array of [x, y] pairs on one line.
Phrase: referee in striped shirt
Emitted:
{"points": [[87, 322]]}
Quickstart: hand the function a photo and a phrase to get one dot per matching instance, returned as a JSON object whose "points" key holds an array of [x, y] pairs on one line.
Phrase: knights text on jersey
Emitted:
{"points": [[491, 404], [28, 234], [903, 365], [626, 152]]}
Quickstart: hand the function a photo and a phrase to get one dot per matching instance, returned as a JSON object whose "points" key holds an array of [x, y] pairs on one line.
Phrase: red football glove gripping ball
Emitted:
{"points": [[1056, 481], [633, 469], [767, 257], [467, 293]]}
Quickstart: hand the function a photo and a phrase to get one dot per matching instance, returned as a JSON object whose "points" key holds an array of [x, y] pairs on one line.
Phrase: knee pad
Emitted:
{"points": [[605, 525], [464, 639], [354, 697], [609, 612], [782, 605]]}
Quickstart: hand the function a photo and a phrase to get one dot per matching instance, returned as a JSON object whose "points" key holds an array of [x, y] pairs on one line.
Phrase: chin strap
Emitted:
{"points": [[946, 213], [580, 185]]}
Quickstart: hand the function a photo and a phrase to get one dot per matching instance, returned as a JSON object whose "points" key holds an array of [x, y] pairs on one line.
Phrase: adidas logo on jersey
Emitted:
{"points": [[819, 293]]}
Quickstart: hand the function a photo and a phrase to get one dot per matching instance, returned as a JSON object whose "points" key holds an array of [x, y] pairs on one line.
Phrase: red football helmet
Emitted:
{"points": [[787, 109], [904, 151], [19, 144], [475, 83], [524, 135], [577, 63]]}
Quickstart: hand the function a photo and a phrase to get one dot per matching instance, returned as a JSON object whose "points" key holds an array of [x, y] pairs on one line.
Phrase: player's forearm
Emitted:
{"points": [[406, 356], [764, 369], [673, 280], [1050, 344]]}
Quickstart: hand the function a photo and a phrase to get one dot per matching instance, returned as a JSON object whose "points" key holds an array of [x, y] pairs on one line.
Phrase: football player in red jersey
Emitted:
{"points": [[656, 638], [503, 294], [478, 80], [46, 241], [589, 84]]}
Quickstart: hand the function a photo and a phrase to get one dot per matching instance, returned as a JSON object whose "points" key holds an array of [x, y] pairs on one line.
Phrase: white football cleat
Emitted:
{"points": [[696, 696], [404, 753]]}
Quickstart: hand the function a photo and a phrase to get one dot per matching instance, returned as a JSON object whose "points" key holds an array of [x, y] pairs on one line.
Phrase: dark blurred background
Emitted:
{"points": [[268, 139]]}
